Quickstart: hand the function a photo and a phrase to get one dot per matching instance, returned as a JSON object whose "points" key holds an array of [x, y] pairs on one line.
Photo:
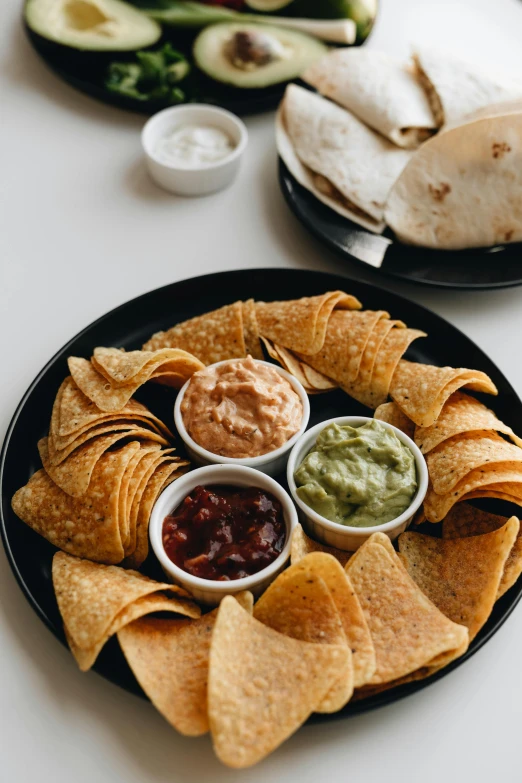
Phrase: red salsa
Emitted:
{"points": [[224, 533]]}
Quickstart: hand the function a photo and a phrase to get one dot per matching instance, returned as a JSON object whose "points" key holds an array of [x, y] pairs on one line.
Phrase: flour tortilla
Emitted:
{"points": [[456, 88], [462, 188], [381, 91], [356, 167]]}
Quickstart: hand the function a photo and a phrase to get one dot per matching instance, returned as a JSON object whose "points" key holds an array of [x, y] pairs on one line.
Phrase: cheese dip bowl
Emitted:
{"points": [[211, 591], [370, 496], [194, 149], [242, 407]]}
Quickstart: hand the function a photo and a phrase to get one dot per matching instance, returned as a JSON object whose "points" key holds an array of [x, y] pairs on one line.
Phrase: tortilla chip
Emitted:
{"points": [[388, 358], [169, 658], [392, 414], [73, 414], [87, 526], [457, 457], [125, 502], [262, 685], [299, 604], [211, 337], [302, 545], [496, 482], [135, 430], [353, 621], [163, 475], [347, 333], [301, 324], [461, 413], [121, 368], [73, 475], [461, 575], [149, 604], [251, 330], [373, 346], [97, 388], [312, 381], [137, 485], [408, 631], [466, 520], [91, 597], [420, 390]]}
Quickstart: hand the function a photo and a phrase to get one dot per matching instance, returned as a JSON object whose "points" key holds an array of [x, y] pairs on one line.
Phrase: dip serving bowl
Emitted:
{"points": [[208, 591], [271, 463], [343, 536]]}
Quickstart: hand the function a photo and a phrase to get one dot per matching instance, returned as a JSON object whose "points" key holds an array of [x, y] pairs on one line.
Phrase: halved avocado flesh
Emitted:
{"points": [[96, 25], [280, 54]]}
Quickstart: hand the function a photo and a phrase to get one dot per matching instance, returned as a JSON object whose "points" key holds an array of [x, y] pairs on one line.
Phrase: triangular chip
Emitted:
{"points": [[87, 526], [91, 597], [303, 545], [420, 390], [73, 475], [301, 324], [121, 368], [133, 429], [211, 337], [149, 604], [169, 658], [313, 382], [457, 457], [466, 520], [392, 414], [461, 413], [407, 629], [262, 685], [299, 604], [74, 414], [346, 336], [251, 330], [461, 575], [497, 482], [97, 388], [353, 621]]}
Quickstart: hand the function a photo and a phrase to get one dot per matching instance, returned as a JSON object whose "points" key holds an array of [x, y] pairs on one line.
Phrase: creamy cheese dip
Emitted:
{"points": [[241, 408], [194, 145]]}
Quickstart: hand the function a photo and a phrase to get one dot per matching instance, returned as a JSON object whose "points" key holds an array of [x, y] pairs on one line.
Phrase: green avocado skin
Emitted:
{"points": [[357, 476]]}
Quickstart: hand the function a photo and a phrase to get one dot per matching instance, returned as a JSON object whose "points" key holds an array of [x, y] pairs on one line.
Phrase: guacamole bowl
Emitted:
{"points": [[341, 535]]}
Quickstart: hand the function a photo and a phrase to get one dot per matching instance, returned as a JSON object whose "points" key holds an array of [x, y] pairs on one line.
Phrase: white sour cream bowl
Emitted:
{"points": [[344, 536], [185, 130], [271, 463], [209, 591]]}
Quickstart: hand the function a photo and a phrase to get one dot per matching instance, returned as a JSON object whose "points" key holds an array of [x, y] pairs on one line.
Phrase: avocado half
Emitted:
{"points": [[292, 53], [93, 25]]}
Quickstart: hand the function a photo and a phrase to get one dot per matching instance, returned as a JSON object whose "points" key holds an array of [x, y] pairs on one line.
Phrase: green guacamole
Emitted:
{"points": [[357, 476]]}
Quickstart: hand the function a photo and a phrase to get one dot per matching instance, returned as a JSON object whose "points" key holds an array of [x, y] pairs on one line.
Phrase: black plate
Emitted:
{"points": [[130, 325], [497, 267], [86, 72]]}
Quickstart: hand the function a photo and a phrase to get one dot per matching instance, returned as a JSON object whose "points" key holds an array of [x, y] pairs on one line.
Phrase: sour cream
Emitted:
{"points": [[193, 146]]}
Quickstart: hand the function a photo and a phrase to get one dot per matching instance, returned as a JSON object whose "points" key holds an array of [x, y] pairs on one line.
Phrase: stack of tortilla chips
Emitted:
{"points": [[104, 460], [470, 453], [318, 633]]}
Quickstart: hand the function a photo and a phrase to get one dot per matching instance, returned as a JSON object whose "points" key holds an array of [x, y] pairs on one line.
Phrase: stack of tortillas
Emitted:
{"points": [[368, 145]]}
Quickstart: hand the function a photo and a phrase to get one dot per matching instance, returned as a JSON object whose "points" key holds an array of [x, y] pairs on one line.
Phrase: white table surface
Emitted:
{"points": [[81, 230]]}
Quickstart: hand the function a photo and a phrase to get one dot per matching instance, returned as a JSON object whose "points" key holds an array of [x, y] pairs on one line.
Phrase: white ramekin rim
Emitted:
{"points": [[310, 437], [251, 462], [177, 112], [210, 475]]}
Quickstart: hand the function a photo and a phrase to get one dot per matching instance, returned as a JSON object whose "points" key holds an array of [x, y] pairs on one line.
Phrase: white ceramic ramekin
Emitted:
{"points": [[195, 180], [273, 462], [206, 590], [343, 536]]}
